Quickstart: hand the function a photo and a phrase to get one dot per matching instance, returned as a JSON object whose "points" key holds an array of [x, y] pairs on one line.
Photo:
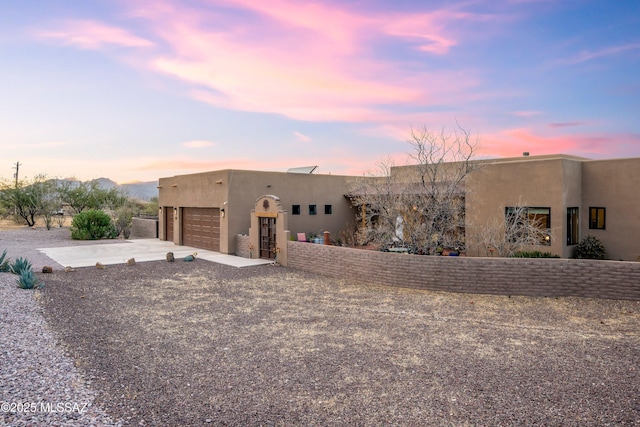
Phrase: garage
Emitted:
{"points": [[201, 228]]}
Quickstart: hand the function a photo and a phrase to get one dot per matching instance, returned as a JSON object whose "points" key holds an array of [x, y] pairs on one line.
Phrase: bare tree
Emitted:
{"points": [[420, 206], [514, 230]]}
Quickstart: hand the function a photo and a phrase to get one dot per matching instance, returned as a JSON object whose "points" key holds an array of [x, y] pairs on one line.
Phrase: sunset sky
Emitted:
{"points": [[141, 89]]}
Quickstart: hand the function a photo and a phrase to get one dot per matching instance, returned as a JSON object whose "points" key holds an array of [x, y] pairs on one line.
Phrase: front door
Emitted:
{"points": [[267, 238]]}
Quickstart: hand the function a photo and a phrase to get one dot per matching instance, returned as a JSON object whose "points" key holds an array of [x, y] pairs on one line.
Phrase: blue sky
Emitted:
{"points": [[142, 89]]}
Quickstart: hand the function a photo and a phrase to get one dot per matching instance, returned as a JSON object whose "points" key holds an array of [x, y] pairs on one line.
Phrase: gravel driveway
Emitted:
{"points": [[199, 343]]}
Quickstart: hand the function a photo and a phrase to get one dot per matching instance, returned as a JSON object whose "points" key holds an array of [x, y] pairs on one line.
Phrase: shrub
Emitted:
{"points": [[590, 248], [123, 220], [5, 263], [534, 254], [92, 225]]}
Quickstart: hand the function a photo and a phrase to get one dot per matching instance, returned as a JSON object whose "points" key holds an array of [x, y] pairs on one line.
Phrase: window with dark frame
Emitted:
{"points": [[295, 209], [327, 209], [597, 218], [312, 210], [573, 227]]}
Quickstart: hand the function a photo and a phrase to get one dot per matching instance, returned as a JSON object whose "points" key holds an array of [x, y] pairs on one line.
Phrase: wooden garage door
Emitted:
{"points": [[201, 228]]}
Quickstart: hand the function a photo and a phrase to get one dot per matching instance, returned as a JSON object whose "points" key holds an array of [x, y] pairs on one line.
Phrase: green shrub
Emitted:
{"points": [[27, 280], [590, 248], [92, 225], [5, 263], [20, 265], [534, 254]]}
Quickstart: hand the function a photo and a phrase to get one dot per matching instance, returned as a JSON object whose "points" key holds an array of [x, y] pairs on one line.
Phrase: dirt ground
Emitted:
{"points": [[198, 343]]}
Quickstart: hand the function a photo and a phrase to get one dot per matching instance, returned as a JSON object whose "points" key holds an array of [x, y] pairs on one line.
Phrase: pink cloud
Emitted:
{"points": [[565, 124], [526, 113], [197, 144], [93, 35], [513, 142], [308, 61], [300, 137]]}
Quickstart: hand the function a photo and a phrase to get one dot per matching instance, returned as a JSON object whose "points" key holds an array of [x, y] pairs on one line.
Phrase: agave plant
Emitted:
{"points": [[20, 265], [5, 263], [27, 280]]}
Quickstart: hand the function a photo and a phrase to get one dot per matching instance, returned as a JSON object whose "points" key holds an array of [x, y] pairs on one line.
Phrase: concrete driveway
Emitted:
{"points": [[140, 250]]}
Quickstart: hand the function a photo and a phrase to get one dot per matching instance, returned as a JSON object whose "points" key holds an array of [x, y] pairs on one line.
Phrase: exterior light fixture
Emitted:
{"points": [[222, 213]]}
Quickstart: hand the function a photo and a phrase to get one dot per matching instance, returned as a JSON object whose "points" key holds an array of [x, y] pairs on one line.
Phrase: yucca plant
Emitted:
{"points": [[5, 263], [27, 280]]}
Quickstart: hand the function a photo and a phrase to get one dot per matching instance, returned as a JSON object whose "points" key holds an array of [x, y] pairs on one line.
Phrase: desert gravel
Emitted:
{"points": [[173, 344]]}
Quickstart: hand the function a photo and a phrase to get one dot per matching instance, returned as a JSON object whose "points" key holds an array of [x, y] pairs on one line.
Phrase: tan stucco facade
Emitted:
{"points": [[235, 192], [557, 182]]}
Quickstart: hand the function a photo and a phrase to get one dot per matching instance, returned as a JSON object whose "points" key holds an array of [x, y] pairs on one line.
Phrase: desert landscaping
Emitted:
{"points": [[200, 343]]}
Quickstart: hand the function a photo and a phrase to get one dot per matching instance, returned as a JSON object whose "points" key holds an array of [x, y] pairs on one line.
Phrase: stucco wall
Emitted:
{"points": [[534, 183], [499, 276], [614, 185], [236, 191]]}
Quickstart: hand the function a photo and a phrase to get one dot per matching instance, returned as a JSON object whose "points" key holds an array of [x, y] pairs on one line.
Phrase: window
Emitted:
{"points": [[312, 210], [528, 225], [572, 226], [597, 218], [327, 209], [295, 210]]}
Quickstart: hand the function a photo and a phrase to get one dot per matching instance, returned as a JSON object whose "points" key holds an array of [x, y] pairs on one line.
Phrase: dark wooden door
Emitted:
{"points": [[168, 223], [267, 238]]}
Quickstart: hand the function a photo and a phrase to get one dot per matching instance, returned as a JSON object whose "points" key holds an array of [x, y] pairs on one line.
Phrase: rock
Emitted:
{"points": [[131, 261], [68, 269], [191, 257], [100, 265], [170, 257], [47, 269]]}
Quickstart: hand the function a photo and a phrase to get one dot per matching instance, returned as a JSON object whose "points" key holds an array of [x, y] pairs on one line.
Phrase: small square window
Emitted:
{"points": [[327, 209], [312, 210], [295, 210], [597, 218]]}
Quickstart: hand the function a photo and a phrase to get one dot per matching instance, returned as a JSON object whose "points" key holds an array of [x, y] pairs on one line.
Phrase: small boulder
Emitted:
{"points": [[170, 257], [100, 265], [191, 257], [131, 261], [47, 269], [69, 269]]}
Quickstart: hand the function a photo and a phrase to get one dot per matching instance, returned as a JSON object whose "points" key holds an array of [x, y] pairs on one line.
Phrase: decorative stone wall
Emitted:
{"points": [[548, 277]]}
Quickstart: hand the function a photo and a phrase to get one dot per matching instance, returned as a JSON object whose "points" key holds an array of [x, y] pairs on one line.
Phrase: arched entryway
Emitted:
{"points": [[267, 235]]}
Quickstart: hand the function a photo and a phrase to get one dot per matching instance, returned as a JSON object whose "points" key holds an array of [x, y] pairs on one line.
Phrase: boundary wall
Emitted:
{"points": [[144, 228], [541, 277]]}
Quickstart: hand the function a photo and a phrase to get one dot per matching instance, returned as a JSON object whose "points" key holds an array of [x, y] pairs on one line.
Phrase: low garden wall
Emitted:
{"points": [[548, 277], [144, 228]]}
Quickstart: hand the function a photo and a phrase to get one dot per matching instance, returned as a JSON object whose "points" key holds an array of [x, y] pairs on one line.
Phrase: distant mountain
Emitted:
{"points": [[139, 190]]}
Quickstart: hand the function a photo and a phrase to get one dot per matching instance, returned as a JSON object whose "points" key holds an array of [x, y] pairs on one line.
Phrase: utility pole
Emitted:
{"points": [[17, 168]]}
